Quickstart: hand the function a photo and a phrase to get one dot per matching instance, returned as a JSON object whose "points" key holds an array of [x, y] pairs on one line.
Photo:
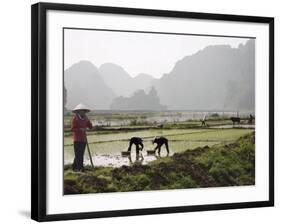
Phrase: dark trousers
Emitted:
{"points": [[79, 150], [159, 147], [138, 147]]}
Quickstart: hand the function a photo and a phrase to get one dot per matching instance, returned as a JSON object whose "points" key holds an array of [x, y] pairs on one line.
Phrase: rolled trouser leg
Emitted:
{"points": [[76, 150], [130, 146], [137, 149], [167, 147], [155, 148], [141, 146], [80, 158]]}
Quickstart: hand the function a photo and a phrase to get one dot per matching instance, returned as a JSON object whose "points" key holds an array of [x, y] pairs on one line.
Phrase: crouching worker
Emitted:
{"points": [[161, 141], [80, 123], [137, 142]]}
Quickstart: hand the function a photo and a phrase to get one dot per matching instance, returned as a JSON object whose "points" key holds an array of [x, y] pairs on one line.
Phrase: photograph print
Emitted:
{"points": [[150, 111]]}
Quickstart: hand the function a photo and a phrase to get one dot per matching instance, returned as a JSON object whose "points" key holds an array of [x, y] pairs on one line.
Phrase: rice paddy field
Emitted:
{"points": [[220, 165], [112, 132]]}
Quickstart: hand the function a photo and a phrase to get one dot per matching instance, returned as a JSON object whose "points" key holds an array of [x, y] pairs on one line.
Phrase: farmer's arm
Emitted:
{"points": [[89, 124]]}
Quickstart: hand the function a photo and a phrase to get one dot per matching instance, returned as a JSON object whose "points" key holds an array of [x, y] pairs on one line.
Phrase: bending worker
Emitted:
{"points": [[80, 123], [137, 142]]}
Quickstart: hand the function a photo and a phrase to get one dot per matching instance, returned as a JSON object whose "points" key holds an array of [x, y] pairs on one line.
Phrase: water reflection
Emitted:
{"points": [[138, 161], [158, 155], [118, 160], [247, 126]]}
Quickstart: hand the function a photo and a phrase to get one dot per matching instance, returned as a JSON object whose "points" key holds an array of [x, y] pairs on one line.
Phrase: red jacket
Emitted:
{"points": [[77, 123]]}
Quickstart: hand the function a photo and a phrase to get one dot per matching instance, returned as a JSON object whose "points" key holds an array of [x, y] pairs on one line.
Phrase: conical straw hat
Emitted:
{"points": [[81, 107]]}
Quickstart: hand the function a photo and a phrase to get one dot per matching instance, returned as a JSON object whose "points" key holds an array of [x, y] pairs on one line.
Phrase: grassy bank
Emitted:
{"points": [[219, 165]]}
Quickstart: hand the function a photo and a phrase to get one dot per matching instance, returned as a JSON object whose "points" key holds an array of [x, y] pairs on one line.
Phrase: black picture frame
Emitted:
{"points": [[38, 110]]}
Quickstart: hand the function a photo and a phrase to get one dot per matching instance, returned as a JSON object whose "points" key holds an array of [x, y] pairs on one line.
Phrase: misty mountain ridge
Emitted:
{"points": [[217, 77], [84, 84], [121, 82]]}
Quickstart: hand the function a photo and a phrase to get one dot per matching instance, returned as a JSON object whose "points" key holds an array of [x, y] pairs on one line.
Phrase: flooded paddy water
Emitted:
{"points": [[106, 146]]}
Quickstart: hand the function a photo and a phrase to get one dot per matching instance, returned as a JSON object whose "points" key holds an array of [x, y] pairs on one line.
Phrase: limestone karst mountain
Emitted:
{"points": [[85, 85], [121, 82], [217, 77]]}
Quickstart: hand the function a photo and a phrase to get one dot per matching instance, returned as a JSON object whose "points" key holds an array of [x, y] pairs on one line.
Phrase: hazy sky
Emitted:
{"points": [[153, 54]]}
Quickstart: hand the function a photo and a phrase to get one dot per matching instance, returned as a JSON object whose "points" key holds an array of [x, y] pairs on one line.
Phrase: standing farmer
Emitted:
{"points": [[80, 123], [203, 123]]}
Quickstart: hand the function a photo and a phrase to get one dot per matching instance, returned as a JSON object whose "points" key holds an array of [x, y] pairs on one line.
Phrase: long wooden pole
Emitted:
{"points": [[89, 152]]}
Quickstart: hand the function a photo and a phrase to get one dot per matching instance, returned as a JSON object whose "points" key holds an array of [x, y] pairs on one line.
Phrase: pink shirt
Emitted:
{"points": [[77, 123]]}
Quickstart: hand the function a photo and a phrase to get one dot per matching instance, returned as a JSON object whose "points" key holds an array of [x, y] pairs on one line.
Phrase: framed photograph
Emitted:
{"points": [[140, 111]]}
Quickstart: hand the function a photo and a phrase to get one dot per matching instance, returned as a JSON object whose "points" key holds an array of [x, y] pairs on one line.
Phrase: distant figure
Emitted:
{"points": [[251, 119], [160, 141], [235, 120], [160, 126], [137, 142], [204, 121]]}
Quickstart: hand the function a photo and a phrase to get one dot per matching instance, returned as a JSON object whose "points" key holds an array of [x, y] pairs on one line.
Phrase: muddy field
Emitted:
{"points": [[230, 164], [184, 131]]}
